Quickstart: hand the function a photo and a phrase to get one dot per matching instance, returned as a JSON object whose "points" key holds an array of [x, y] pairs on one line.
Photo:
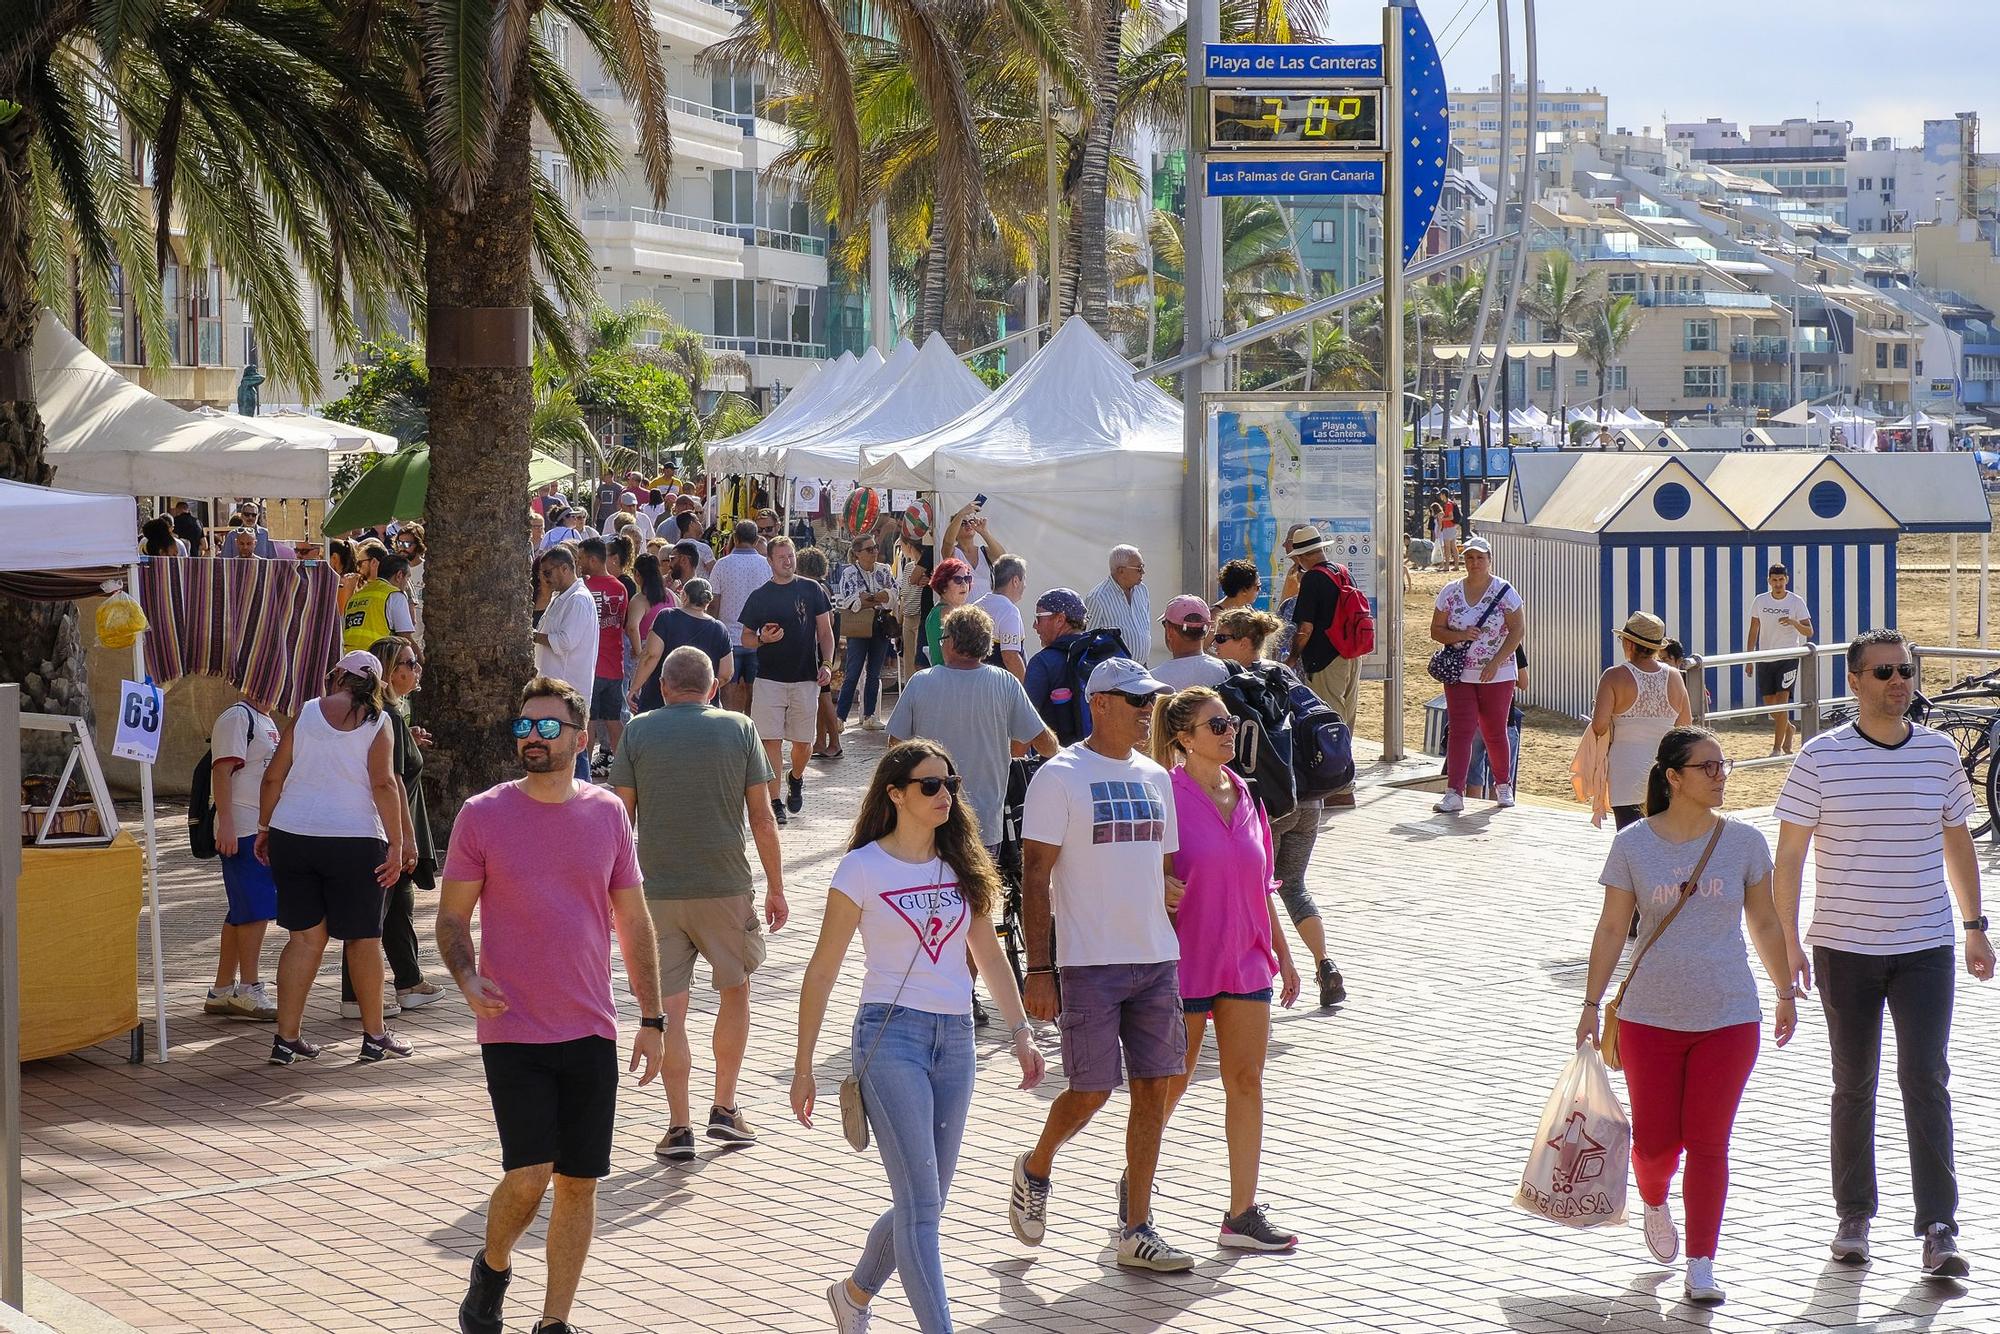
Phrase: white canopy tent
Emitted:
{"points": [[107, 435], [864, 393], [934, 388], [341, 437], [828, 394]]}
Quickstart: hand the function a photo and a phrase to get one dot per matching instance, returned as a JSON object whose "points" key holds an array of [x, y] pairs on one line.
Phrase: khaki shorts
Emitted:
{"points": [[725, 931], [785, 710]]}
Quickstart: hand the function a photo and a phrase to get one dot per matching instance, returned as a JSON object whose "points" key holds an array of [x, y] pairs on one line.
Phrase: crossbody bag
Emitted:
{"points": [[853, 1110], [1607, 1044], [1447, 665]]}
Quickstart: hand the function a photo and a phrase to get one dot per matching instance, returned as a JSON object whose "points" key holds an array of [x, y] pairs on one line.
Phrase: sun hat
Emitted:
{"points": [[1303, 537], [1063, 602], [1186, 610], [1125, 675], [1644, 629], [360, 663]]}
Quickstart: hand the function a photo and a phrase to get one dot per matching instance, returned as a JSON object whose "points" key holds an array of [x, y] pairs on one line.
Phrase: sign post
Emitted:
{"points": [[10, 1011]]}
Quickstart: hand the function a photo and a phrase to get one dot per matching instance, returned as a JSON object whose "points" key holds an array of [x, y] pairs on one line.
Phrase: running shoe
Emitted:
{"points": [[1332, 989], [1451, 803], [778, 810], [847, 1317], [1252, 1230], [1503, 794], [795, 793], [1663, 1239], [352, 1009], [418, 996], [1028, 1204], [872, 724], [1700, 1285], [1143, 1248], [253, 1002], [218, 1002], [284, 1051], [384, 1046], [479, 1313], [729, 1125], [1941, 1256], [1850, 1243], [677, 1145]]}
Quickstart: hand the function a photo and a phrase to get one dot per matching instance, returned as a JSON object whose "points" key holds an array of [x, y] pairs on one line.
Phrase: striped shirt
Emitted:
{"points": [[1877, 815], [1110, 609]]}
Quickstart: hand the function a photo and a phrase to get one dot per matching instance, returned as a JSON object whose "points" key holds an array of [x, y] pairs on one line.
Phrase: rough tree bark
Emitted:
{"points": [[1093, 280], [936, 266]]}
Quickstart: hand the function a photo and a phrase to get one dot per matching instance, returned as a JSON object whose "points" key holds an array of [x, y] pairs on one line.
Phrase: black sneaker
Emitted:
{"points": [[547, 1326], [479, 1313], [286, 1050], [729, 1126], [678, 1144], [1332, 990], [1941, 1256], [1252, 1230], [385, 1046], [795, 793], [979, 1015], [778, 810]]}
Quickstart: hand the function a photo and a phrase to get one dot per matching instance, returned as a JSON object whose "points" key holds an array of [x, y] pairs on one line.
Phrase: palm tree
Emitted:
{"points": [[1602, 333], [1260, 270], [1559, 297]]}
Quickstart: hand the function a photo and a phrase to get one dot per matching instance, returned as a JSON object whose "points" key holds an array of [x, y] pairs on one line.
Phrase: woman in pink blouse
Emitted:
{"points": [[1219, 886]]}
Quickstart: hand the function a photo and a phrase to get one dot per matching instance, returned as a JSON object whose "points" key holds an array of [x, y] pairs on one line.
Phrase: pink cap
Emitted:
{"points": [[1186, 610]]}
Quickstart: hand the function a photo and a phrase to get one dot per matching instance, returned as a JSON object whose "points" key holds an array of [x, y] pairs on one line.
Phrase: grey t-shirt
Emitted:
{"points": [[691, 764], [973, 714], [1698, 976]]}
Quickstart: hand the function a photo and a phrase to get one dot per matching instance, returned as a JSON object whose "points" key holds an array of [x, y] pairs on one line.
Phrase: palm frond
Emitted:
{"points": [[458, 40]]}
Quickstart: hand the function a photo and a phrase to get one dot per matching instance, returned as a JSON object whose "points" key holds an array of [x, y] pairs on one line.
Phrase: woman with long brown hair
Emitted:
{"points": [[917, 884]]}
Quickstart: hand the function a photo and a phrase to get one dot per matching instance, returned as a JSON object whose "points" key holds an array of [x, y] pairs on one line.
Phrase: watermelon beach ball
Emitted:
{"points": [[917, 519], [863, 508]]}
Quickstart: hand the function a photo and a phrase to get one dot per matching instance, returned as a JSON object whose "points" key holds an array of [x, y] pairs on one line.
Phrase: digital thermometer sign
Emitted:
{"points": [[1337, 119]]}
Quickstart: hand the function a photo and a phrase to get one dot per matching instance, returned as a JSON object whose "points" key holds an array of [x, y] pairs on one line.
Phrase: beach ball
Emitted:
{"points": [[863, 508], [917, 520]]}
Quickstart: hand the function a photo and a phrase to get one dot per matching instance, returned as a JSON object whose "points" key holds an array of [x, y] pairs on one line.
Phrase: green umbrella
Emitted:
{"points": [[395, 487]]}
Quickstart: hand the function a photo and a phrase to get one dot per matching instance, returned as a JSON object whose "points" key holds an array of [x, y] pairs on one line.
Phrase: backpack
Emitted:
{"points": [[1322, 746], [201, 803], [1261, 702], [1069, 701], [1352, 627]]}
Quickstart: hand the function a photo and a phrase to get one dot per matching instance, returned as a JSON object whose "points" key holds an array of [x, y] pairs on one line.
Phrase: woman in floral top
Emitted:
{"points": [[1486, 614]]}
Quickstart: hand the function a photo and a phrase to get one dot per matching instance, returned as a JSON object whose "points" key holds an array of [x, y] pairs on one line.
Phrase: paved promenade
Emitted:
{"points": [[215, 1193]]}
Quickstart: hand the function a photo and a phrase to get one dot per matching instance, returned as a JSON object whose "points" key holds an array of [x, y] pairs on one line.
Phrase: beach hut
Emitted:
{"points": [[1590, 537]]}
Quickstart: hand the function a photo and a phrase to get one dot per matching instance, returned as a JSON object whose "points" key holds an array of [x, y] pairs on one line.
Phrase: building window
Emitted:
{"points": [[735, 196], [735, 308], [1615, 378], [170, 298], [114, 317], [1582, 380], [1698, 335], [1545, 377], [250, 357], [1889, 184], [1902, 357], [207, 313], [1704, 381], [1865, 183], [1881, 356], [1325, 231], [1621, 282], [555, 36]]}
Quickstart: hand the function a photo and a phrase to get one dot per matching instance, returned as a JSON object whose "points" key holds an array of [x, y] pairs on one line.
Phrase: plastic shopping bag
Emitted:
{"points": [[1582, 1154]]}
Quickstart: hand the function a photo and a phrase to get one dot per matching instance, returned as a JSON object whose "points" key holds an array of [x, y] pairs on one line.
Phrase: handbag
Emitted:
{"points": [[1607, 1042], [858, 624], [1447, 665], [853, 1111]]}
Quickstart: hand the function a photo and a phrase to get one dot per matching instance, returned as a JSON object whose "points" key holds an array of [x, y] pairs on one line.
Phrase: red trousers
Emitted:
{"points": [[1684, 1089], [1483, 706]]}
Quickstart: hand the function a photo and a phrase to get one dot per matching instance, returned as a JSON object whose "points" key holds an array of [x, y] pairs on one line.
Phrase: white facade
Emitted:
{"points": [[1892, 189], [1475, 120]]}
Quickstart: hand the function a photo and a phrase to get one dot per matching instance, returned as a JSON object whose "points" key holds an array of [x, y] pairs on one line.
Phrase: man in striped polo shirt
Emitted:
{"points": [[1883, 803]]}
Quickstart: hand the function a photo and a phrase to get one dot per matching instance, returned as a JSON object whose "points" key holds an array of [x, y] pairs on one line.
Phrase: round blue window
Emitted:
{"points": [[1672, 502], [1827, 499]]}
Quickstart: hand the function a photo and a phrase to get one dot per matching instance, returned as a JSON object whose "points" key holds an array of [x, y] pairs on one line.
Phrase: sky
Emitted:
{"points": [[1885, 65]]}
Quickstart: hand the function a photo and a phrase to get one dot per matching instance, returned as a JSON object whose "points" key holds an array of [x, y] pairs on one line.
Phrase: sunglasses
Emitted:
{"points": [[414, 664], [1882, 671], [930, 787], [766, 532], [1222, 726], [1717, 770], [1136, 701], [1226, 639], [960, 579], [548, 729]]}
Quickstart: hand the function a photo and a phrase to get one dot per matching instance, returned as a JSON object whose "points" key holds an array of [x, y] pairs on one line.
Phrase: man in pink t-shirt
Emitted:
{"points": [[540, 987], [607, 696]]}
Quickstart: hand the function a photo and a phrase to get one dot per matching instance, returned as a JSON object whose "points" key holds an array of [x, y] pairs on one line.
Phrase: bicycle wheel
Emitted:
{"points": [[1011, 938], [1973, 736]]}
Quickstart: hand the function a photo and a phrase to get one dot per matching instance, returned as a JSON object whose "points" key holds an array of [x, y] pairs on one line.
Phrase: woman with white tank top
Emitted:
{"points": [[335, 831], [1638, 702]]}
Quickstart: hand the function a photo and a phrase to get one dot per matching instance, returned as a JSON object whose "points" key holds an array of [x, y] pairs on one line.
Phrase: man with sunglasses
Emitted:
{"points": [[1098, 827], [1883, 803], [539, 984], [1122, 603]]}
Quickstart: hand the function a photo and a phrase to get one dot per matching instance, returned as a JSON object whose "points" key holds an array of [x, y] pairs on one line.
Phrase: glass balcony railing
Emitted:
{"points": [[1813, 342], [765, 347], [1719, 300], [652, 217], [1770, 350], [799, 243], [1642, 254]]}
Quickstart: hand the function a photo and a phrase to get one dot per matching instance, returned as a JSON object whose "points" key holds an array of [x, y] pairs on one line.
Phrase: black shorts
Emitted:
{"points": [[554, 1102], [1777, 678], [607, 700], [330, 880]]}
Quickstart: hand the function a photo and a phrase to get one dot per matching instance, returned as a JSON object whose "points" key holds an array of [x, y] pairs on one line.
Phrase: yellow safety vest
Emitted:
{"points": [[367, 618]]}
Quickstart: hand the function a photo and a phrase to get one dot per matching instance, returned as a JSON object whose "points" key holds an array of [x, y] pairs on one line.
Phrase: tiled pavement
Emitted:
{"points": [[215, 1193]]}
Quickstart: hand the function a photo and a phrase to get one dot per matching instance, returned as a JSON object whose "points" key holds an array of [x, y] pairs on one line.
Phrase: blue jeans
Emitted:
{"points": [[872, 652], [917, 1088]]}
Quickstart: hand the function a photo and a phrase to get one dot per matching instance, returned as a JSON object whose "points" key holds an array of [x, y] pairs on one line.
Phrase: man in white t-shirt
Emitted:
{"points": [[735, 577], [1098, 826], [1883, 803], [1778, 619], [240, 748], [1003, 606]]}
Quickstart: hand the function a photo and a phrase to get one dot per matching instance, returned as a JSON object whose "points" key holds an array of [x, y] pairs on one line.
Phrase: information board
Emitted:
{"points": [[1251, 175]]}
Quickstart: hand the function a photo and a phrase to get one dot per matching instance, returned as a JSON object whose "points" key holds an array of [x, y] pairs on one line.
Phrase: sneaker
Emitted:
{"points": [[479, 1313], [979, 1015], [1252, 1230], [352, 1009], [847, 1317], [873, 725], [1143, 1248], [1700, 1285], [384, 1046], [1123, 1208], [1503, 794], [795, 793], [548, 1326], [1663, 1239], [1941, 1257], [1850, 1243], [1332, 988], [778, 810], [218, 1002], [1028, 1204], [286, 1050], [418, 996], [1451, 803], [728, 1125], [253, 1002], [677, 1145]]}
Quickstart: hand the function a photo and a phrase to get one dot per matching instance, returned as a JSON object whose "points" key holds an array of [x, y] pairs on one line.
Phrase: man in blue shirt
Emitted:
{"points": [[1060, 620]]}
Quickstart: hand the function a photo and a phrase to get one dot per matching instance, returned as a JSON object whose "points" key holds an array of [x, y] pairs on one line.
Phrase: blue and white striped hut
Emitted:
{"points": [[1588, 538]]}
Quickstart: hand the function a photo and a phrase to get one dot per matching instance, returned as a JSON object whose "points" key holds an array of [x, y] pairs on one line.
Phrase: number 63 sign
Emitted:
{"points": [[139, 710]]}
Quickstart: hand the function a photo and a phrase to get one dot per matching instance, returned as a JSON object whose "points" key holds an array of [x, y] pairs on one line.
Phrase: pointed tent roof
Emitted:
{"points": [[863, 393], [934, 389], [813, 391]]}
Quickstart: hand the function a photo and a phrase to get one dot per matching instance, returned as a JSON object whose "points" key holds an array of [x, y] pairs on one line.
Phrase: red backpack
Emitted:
{"points": [[1352, 631]]}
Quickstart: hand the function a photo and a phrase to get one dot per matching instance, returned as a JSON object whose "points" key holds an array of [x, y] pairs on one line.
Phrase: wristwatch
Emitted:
{"points": [[658, 1021], [1977, 923]]}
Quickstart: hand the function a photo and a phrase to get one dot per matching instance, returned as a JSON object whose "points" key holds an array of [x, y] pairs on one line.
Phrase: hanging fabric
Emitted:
{"points": [[269, 628]]}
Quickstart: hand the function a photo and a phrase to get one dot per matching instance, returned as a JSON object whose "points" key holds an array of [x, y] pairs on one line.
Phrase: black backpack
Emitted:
{"points": [[1069, 702], [201, 802], [1261, 701]]}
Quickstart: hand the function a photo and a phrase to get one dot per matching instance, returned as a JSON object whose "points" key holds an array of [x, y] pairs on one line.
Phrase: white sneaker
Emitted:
{"points": [[1451, 803], [1701, 1286], [1143, 1248], [847, 1317], [352, 1009], [253, 1002], [1663, 1239], [1504, 794], [872, 724], [420, 995]]}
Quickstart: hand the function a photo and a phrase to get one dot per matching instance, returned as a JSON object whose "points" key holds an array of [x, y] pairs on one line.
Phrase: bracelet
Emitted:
{"points": [[1592, 1005], [1035, 971], [1019, 1029]]}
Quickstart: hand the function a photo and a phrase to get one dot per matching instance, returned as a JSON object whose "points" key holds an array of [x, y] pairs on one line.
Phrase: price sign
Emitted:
{"points": [[1336, 119], [139, 717]]}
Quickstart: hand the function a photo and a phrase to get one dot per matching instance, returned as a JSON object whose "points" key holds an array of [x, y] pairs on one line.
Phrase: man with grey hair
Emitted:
{"points": [[687, 773], [1122, 603], [1003, 604], [690, 624]]}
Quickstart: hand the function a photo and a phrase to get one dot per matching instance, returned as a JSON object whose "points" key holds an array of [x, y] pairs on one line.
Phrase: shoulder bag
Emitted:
{"points": [[1607, 1043], [853, 1111], [1447, 665]]}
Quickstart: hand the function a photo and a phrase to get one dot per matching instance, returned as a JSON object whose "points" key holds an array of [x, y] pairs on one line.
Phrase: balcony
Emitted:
{"points": [[1770, 351], [702, 133], [1641, 254], [648, 241], [187, 386], [701, 22], [765, 347], [1713, 300], [1768, 394]]}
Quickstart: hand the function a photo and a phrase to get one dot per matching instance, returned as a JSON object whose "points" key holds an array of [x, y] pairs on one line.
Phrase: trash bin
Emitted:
{"points": [[1435, 717]]}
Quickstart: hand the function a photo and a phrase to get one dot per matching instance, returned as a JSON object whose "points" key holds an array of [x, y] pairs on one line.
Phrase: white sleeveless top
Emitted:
{"points": [[1635, 736], [327, 791]]}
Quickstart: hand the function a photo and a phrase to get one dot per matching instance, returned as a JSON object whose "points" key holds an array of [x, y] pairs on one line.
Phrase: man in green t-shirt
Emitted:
{"points": [[687, 773]]}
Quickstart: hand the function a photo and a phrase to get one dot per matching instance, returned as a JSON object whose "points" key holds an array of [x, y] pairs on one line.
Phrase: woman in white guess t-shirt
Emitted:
{"points": [[920, 888]]}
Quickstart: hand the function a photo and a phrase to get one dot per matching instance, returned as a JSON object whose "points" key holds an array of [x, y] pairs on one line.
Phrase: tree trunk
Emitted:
{"points": [[1093, 268], [41, 645], [936, 279], [478, 279]]}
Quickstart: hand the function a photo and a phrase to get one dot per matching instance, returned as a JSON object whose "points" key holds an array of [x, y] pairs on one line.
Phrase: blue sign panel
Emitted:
{"points": [[1337, 428], [1253, 60], [1326, 176]]}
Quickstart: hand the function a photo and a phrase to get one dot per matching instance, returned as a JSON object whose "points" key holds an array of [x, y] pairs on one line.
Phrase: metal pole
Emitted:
{"points": [[1052, 191], [10, 1011], [1032, 303], [1486, 289], [881, 329], [152, 851], [1202, 295], [1528, 184], [1389, 469]]}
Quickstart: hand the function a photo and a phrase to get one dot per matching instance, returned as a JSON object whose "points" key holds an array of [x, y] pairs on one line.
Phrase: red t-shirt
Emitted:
{"points": [[609, 595]]}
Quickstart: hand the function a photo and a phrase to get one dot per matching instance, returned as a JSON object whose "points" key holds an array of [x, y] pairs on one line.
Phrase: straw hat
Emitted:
{"points": [[1644, 629], [1303, 537]]}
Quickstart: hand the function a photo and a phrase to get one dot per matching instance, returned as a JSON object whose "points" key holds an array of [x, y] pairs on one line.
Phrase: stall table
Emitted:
{"points": [[79, 914]]}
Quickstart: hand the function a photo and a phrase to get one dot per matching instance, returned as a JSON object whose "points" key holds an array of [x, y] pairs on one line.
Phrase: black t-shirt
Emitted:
{"points": [[607, 501], [796, 606], [674, 629], [188, 529], [1314, 606]]}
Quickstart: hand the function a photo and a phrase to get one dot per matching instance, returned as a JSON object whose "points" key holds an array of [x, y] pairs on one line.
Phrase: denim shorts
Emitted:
{"points": [[1204, 1004], [1136, 1006]]}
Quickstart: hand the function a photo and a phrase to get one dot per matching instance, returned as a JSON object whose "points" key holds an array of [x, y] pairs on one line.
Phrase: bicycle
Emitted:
{"points": [[1010, 929]]}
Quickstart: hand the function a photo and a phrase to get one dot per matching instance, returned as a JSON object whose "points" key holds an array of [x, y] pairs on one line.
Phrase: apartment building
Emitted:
{"points": [[1941, 179], [1805, 159], [1475, 120]]}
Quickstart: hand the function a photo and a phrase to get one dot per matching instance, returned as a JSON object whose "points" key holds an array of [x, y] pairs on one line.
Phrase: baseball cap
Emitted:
{"points": [[360, 663], [1477, 544], [1123, 674], [1186, 610], [1063, 602], [627, 498]]}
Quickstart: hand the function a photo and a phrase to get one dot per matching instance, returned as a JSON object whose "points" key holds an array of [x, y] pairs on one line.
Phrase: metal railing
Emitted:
{"points": [[1727, 300], [770, 238], [1807, 703], [653, 217], [765, 347]]}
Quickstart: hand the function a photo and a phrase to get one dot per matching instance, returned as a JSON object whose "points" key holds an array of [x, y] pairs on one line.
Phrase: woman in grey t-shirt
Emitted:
{"points": [[1687, 1028]]}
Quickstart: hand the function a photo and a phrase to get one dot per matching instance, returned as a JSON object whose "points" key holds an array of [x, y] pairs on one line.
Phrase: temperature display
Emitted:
{"points": [[1335, 118]]}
